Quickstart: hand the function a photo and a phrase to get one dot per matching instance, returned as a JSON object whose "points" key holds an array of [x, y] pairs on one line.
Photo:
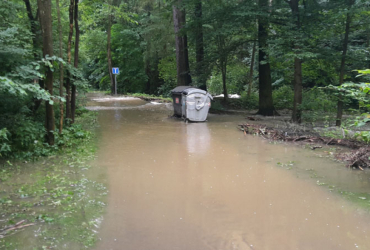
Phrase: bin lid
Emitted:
{"points": [[180, 89], [190, 91], [187, 90]]}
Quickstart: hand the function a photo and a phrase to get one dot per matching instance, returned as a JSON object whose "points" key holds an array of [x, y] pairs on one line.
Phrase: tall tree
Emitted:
{"points": [[34, 28], [266, 106], [222, 62], [343, 61], [251, 69], [61, 73], [69, 60], [182, 58], [47, 41], [33, 24], [109, 47], [77, 44], [199, 46], [297, 113]]}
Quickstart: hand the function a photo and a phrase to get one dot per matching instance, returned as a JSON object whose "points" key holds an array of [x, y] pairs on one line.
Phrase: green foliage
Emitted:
{"points": [[56, 194], [250, 102], [167, 72], [235, 79], [4, 146], [318, 100], [363, 136], [283, 97]]}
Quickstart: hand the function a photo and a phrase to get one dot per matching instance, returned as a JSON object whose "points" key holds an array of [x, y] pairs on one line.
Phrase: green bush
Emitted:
{"points": [[251, 102], [283, 97], [317, 100], [235, 80], [167, 72]]}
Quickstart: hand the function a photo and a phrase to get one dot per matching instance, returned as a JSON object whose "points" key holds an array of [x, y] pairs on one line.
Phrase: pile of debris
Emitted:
{"points": [[359, 158]]}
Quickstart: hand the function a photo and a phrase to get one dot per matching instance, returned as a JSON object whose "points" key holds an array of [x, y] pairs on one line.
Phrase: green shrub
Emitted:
{"points": [[317, 100], [216, 105], [251, 102], [283, 97], [235, 80], [167, 72], [4, 141]]}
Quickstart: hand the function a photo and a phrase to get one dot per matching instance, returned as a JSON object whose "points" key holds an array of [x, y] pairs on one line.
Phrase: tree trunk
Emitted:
{"points": [[35, 46], [182, 59], [297, 112], [250, 80], [342, 69], [77, 44], [47, 41], [109, 54], [223, 73], [199, 47], [61, 72], [69, 59], [368, 43], [33, 25], [266, 106]]}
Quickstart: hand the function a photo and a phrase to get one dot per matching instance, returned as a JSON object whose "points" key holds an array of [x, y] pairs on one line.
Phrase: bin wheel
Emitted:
{"points": [[186, 120]]}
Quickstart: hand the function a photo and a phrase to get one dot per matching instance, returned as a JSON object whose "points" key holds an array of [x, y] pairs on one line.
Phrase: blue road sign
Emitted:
{"points": [[115, 71]]}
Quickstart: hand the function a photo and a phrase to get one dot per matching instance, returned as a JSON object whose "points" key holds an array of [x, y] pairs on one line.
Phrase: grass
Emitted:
{"points": [[60, 194]]}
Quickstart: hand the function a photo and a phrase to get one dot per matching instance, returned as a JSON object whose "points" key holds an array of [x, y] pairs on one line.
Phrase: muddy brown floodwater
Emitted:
{"points": [[201, 186]]}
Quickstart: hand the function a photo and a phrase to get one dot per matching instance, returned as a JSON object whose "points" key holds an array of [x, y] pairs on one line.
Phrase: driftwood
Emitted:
{"points": [[18, 225], [359, 158]]}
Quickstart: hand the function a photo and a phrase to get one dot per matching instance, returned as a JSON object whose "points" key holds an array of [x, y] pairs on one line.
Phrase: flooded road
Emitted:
{"points": [[201, 186]]}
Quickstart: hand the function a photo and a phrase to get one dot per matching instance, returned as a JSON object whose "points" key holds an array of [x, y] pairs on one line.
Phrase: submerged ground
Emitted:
{"points": [[185, 186], [207, 186]]}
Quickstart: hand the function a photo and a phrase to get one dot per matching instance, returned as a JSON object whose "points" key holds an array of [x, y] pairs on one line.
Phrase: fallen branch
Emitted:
{"points": [[16, 226]]}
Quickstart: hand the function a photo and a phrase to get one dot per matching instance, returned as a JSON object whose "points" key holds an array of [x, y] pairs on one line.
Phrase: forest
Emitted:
{"points": [[311, 57]]}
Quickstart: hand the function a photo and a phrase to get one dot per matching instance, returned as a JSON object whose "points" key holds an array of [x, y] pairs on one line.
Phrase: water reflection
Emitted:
{"points": [[203, 186], [198, 138]]}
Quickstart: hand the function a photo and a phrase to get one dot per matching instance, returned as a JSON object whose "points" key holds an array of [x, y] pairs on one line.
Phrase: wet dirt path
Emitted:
{"points": [[202, 186]]}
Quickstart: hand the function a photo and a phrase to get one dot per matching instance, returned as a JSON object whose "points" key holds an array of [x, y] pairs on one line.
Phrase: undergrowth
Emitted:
{"points": [[54, 195]]}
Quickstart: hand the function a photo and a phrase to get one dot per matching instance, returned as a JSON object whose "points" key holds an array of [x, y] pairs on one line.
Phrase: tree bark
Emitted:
{"points": [[109, 54], [77, 44], [47, 41], [199, 47], [266, 106], [61, 72], [223, 73], [69, 59], [35, 46], [297, 113], [33, 25], [342, 70], [250, 80], [182, 59]]}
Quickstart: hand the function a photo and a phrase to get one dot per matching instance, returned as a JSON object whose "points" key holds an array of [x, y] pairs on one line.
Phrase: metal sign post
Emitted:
{"points": [[115, 84], [115, 72]]}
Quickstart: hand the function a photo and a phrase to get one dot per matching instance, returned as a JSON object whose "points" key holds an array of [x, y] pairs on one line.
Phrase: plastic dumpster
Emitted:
{"points": [[191, 103]]}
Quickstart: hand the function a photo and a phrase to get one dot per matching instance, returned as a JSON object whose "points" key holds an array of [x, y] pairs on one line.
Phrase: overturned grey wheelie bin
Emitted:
{"points": [[191, 103]]}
